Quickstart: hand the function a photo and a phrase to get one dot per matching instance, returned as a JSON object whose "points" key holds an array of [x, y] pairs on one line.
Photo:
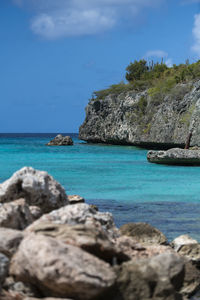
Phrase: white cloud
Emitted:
{"points": [[156, 53], [152, 54], [62, 18], [169, 62], [196, 34]]}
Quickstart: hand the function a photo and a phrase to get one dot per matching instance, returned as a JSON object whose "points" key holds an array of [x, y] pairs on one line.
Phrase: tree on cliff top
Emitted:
{"points": [[141, 70], [136, 70]]}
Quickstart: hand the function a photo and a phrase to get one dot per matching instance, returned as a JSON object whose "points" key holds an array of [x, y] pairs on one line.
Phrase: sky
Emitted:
{"points": [[55, 53]]}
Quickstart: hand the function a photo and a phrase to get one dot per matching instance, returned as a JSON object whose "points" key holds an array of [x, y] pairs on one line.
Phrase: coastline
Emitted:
{"points": [[51, 247]]}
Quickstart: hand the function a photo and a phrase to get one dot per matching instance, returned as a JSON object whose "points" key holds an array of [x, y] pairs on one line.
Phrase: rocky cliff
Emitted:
{"points": [[146, 119]]}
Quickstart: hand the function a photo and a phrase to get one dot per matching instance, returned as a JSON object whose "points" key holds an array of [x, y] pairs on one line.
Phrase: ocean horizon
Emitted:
{"points": [[117, 179]]}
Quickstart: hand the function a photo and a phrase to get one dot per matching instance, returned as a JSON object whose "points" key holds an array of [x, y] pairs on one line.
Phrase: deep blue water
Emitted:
{"points": [[116, 178]]}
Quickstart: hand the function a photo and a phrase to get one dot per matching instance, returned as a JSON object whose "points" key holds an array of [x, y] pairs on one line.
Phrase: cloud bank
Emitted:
{"points": [[63, 18], [196, 34], [152, 54]]}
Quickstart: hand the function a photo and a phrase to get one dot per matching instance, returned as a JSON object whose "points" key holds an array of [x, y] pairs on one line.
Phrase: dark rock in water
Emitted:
{"points": [[143, 233], [145, 120], [175, 156], [61, 140], [74, 199]]}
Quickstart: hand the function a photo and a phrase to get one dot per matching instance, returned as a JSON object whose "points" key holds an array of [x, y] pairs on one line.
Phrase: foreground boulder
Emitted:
{"points": [[92, 239], [160, 277], [38, 188], [61, 140], [15, 215], [78, 214], [9, 240], [191, 284], [175, 156], [60, 270], [143, 233]]}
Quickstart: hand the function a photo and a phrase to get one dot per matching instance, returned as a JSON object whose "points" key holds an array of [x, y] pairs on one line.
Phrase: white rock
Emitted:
{"points": [[78, 214], [37, 187], [182, 240]]}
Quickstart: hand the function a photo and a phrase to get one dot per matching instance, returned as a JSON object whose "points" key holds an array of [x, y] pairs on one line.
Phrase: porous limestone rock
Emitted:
{"points": [[59, 269], [159, 277], [9, 240], [191, 252], [92, 239], [61, 140], [35, 211], [15, 215], [139, 118], [74, 199], [135, 250], [181, 240], [143, 233], [175, 156], [191, 284], [38, 188], [80, 213]]}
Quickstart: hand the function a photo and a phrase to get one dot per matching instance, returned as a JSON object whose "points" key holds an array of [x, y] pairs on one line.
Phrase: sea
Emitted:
{"points": [[117, 179]]}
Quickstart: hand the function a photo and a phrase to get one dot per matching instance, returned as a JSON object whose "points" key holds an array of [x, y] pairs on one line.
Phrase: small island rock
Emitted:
{"points": [[61, 140], [175, 156]]}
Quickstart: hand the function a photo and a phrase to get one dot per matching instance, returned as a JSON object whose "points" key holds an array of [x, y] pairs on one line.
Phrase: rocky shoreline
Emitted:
{"points": [[144, 119], [54, 246]]}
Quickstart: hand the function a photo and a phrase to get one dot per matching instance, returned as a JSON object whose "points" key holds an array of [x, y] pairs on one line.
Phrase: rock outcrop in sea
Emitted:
{"points": [[74, 252], [175, 156], [61, 140], [145, 119]]}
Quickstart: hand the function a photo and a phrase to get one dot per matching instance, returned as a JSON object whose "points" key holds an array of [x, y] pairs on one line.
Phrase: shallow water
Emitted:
{"points": [[116, 178]]}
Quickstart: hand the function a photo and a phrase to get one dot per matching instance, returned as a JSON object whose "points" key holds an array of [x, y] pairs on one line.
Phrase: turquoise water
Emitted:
{"points": [[116, 178]]}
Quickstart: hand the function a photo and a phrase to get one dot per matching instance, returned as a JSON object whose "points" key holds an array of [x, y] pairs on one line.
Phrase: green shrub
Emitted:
{"points": [[156, 77]]}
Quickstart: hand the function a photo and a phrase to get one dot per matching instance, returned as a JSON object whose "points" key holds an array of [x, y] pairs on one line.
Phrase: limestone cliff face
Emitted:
{"points": [[145, 120]]}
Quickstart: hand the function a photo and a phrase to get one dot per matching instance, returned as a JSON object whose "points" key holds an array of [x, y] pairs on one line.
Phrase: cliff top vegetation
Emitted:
{"points": [[157, 77]]}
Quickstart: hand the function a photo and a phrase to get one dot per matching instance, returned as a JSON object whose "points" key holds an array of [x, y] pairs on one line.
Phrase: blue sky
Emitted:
{"points": [[55, 53]]}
